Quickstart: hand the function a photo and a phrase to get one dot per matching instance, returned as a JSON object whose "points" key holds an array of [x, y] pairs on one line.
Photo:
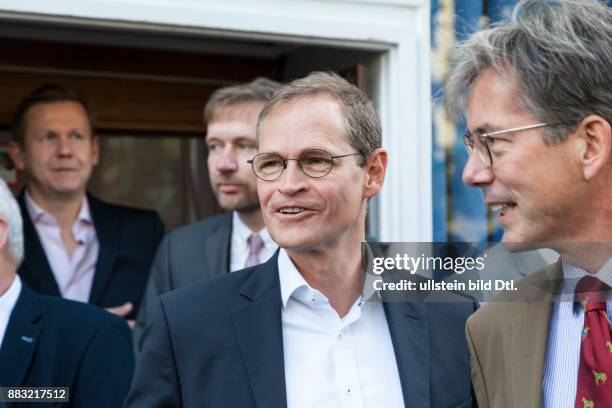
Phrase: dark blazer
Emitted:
{"points": [[185, 256], [56, 342], [219, 343], [128, 240]]}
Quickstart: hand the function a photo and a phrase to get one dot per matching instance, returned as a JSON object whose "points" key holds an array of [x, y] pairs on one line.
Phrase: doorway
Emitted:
{"points": [[147, 92]]}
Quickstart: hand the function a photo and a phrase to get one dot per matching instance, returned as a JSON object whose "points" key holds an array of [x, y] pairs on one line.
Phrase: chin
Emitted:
{"points": [[295, 241], [68, 189], [520, 241]]}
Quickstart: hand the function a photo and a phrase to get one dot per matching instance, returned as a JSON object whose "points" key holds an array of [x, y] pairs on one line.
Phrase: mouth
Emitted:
{"points": [[291, 210], [503, 208], [227, 188], [293, 213]]}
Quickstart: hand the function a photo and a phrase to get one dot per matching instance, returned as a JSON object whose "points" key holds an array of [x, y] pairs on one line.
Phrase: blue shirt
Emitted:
{"points": [[564, 335]]}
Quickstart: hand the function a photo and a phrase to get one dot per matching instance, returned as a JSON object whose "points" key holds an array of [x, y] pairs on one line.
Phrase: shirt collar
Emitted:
{"points": [[572, 274], [241, 231], [38, 214], [9, 298], [293, 285]]}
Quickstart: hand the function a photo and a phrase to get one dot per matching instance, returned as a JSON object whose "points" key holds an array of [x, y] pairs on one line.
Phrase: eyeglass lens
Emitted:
{"points": [[314, 163], [473, 142]]}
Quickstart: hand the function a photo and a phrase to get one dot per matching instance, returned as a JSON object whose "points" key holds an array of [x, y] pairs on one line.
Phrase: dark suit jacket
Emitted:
{"points": [[128, 240], [219, 343], [56, 342], [185, 256], [508, 338]]}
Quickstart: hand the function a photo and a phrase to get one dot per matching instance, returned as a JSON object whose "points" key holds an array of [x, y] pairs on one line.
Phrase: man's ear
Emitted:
{"points": [[17, 155], [376, 168], [596, 136], [3, 234]]}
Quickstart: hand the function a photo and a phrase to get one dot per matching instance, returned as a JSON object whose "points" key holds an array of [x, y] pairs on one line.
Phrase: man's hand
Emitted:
{"points": [[123, 311]]}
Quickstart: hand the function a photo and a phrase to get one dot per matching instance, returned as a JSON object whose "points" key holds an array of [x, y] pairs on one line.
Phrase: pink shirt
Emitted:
{"points": [[74, 275]]}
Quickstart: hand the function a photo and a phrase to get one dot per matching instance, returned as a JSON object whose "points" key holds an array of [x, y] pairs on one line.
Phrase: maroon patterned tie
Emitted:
{"points": [[256, 244], [594, 387]]}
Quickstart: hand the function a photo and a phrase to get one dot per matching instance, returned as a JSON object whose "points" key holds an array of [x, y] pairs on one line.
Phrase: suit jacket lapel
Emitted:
{"points": [[258, 327], [108, 234], [217, 245], [35, 269], [528, 332], [20, 339], [409, 331]]}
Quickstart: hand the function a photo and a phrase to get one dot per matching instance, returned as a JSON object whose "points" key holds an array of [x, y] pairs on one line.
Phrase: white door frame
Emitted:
{"points": [[400, 80]]}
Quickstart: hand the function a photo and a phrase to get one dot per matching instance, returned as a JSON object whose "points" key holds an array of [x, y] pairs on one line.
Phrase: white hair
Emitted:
{"points": [[10, 213]]}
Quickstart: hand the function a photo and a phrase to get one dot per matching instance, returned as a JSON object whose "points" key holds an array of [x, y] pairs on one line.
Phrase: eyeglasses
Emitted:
{"points": [[479, 142], [314, 163]]}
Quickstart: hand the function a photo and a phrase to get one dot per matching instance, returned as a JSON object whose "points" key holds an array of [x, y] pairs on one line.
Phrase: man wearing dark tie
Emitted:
{"points": [[237, 238], [296, 330], [51, 342], [539, 113]]}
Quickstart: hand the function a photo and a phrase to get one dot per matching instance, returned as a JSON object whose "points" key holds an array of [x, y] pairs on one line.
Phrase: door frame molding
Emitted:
{"points": [[399, 81]]}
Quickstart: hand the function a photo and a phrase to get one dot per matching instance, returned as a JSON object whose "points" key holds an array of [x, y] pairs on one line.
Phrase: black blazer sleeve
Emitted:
{"points": [[156, 378], [160, 281], [106, 369]]}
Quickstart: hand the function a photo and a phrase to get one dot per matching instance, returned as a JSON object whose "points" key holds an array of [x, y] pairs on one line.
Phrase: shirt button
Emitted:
{"points": [[340, 336], [348, 391]]}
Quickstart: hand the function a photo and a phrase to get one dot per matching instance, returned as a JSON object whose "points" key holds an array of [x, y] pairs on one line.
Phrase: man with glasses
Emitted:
{"points": [[296, 331], [539, 109]]}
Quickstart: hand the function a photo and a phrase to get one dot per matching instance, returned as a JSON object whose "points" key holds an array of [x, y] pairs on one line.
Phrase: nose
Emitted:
{"points": [[475, 173], [64, 146], [226, 161], [293, 180]]}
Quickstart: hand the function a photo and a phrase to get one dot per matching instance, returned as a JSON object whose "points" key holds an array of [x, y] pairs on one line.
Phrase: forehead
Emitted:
{"points": [[308, 122], [492, 100], [64, 113], [234, 120]]}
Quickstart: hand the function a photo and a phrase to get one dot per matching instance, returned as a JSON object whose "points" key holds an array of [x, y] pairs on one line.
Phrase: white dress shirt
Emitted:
{"points": [[332, 361], [239, 249], [74, 275], [8, 300], [563, 350]]}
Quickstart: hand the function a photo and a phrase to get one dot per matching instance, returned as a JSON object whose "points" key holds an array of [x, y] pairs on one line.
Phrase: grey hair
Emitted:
{"points": [[259, 89], [558, 52], [361, 121], [10, 213]]}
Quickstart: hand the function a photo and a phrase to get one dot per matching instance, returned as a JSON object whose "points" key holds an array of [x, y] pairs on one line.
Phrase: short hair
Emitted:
{"points": [[10, 213], [48, 93], [362, 125], [258, 90], [558, 52]]}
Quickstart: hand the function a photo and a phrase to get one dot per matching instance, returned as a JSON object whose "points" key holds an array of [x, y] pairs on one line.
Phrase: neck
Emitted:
{"points": [[589, 246], [8, 271], [334, 270], [589, 256], [64, 209], [252, 219]]}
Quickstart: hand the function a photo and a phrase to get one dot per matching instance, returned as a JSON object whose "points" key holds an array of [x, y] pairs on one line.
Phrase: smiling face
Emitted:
{"points": [[532, 185], [302, 212], [230, 139], [59, 150]]}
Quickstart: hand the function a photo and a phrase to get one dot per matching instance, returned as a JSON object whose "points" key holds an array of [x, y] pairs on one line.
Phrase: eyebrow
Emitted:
{"points": [[487, 127], [237, 139]]}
